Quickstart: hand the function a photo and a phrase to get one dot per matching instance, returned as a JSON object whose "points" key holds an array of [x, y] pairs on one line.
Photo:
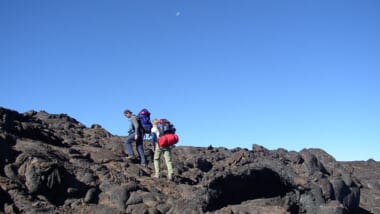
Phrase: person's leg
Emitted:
{"points": [[140, 150], [168, 160], [157, 155], [127, 145]]}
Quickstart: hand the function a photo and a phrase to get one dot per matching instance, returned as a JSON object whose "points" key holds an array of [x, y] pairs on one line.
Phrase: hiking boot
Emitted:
{"points": [[170, 177], [130, 157], [156, 176]]}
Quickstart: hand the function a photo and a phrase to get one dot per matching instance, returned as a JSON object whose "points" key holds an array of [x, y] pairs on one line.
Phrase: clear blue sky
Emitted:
{"points": [[283, 74]]}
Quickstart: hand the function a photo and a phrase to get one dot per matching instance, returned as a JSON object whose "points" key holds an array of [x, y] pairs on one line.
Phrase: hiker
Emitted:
{"points": [[135, 133], [158, 151]]}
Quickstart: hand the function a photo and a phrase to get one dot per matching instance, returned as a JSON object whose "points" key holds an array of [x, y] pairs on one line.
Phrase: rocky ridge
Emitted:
{"points": [[51, 163]]}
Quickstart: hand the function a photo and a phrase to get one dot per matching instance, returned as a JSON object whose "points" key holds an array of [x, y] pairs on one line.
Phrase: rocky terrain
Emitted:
{"points": [[51, 163]]}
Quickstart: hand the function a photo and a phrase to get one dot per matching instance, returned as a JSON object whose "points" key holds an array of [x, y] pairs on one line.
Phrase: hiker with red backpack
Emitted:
{"points": [[163, 138], [135, 134]]}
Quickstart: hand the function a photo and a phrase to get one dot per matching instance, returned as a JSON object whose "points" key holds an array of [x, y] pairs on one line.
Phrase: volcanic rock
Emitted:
{"points": [[51, 163]]}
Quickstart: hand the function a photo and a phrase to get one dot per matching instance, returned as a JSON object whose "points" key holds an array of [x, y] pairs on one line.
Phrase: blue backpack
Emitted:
{"points": [[144, 116]]}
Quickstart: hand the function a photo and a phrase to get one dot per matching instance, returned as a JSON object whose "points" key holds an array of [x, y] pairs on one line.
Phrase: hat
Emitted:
{"points": [[127, 111]]}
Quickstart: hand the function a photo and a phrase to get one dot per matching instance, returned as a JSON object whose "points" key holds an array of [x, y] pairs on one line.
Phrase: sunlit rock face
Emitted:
{"points": [[51, 163]]}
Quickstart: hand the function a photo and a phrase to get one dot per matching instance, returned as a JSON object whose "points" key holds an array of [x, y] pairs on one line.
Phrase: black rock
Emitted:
{"points": [[53, 163]]}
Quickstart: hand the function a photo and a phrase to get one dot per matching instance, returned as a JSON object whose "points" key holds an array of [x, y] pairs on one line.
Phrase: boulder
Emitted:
{"points": [[51, 163]]}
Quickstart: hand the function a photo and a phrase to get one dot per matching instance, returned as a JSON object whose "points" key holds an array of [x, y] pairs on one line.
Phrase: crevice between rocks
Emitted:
{"points": [[256, 184]]}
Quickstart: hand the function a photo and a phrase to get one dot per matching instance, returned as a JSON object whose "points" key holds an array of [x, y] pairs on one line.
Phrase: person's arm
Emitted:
{"points": [[155, 130]]}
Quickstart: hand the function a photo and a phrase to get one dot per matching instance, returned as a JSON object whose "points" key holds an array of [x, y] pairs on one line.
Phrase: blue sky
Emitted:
{"points": [[282, 74]]}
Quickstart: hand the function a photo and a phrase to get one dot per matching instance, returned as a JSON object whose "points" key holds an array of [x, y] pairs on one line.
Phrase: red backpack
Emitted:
{"points": [[168, 139]]}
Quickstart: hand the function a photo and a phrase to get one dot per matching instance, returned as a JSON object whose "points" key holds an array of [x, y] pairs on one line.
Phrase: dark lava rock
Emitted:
{"points": [[52, 163]]}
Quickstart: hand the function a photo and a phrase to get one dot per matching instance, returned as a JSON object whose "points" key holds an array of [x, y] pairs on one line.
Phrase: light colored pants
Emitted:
{"points": [[168, 159]]}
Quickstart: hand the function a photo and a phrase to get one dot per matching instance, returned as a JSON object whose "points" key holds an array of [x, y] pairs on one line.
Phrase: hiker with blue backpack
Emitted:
{"points": [[135, 134]]}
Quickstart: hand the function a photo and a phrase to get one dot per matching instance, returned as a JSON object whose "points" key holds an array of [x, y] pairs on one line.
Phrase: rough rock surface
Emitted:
{"points": [[368, 173], [51, 163]]}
